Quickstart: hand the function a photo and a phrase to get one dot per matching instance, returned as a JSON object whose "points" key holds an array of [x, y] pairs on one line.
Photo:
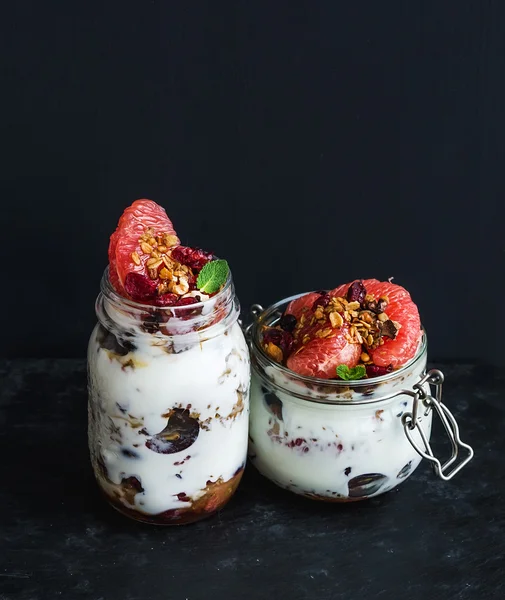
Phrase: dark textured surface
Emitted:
{"points": [[427, 539]]}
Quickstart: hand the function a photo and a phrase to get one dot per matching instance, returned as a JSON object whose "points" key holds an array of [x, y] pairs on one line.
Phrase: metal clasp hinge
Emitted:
{"points": [[411, 423], [255, 311]]}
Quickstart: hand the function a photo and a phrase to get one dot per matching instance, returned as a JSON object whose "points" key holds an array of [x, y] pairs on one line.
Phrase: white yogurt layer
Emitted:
{"points": [[346, 451], [130, 394]]}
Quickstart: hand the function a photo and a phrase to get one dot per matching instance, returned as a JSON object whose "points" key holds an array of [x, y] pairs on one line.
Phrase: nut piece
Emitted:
{"points": [[365, 357], [181, 287], [383, 317], [367, 317], [165, 273], [353, 305], [274, 352], [136, 258], [336, 320], [162, 249], [146, 248], [390, 329]]}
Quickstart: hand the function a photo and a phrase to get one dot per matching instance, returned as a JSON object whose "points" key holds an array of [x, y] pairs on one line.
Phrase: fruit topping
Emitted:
{"points": [[302, 304], [179, 434], [147, 264], [377, 371], [130, 487], [322, 301], [356, 292], [288, 323], [363, 329], [166, 299], [195, 258], [278, 343], [139, 286], [140, 223]]}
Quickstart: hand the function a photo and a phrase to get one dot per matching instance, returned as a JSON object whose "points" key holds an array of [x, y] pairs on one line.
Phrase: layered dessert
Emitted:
{"points": [[329, 368], [168, 371]]}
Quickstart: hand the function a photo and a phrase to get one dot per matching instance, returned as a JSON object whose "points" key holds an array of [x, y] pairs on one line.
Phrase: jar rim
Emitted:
{"points": [[334, 384], [111, 294]]}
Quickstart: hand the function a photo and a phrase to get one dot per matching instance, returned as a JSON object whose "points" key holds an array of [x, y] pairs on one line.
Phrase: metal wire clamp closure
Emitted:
{"points": [[410, 423]]}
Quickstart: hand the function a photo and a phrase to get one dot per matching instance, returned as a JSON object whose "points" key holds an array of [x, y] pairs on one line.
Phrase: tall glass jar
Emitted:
{"points": [[168, 405], [337, 440]]}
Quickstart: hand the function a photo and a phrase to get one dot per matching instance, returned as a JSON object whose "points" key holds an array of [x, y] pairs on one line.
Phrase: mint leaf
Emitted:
{"points": [[212, 276], [347, 374]]}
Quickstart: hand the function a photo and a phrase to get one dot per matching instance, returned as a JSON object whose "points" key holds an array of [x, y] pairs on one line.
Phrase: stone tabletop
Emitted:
{"points": [[426, 539]]}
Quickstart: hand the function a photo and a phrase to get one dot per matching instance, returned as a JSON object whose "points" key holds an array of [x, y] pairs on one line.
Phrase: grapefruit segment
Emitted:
{"points": [[141, 215], [320, 357], [328, 345], [296, 307]]}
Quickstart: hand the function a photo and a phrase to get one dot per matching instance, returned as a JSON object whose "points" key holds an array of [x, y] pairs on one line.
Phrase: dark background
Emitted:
{"points": [[309, 143]]}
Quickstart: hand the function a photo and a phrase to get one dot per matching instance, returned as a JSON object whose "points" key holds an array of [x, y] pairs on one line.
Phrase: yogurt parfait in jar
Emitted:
{"points": [[341, 404], [168, 375]]}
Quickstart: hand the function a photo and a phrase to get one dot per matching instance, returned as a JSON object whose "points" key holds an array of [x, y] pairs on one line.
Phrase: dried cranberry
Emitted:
{"points": [[356, 292], [280, 338], [187, 301], [323, 301], [195, 258], [272, 335], [377, 371], [187, 313], [166, 300], [139, 287], [288, 322], [192, 282]]}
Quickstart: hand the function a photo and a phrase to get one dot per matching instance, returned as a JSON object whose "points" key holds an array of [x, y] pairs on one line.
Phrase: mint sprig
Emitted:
{"points": [[212, 276], [348, 374]]}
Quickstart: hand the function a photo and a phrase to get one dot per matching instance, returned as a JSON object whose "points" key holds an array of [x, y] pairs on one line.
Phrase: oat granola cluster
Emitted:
{"points": [[367, 322], [176, 278]]}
